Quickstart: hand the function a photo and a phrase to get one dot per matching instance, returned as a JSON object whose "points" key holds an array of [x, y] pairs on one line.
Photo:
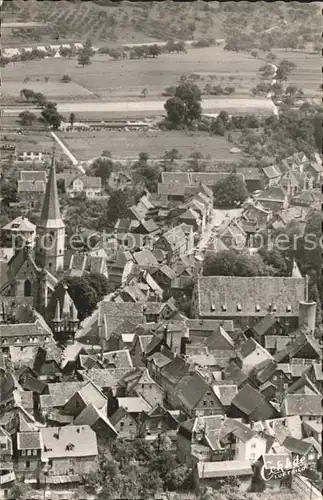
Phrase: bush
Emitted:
{"points": [[66, 79]]}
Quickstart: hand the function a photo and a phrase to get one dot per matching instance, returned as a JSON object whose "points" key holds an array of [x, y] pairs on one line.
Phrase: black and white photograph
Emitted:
{"points": [[161, 250]]}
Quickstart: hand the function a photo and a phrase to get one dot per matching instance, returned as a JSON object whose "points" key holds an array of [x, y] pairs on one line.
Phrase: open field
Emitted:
{"points": [[31, 141], [307, 74], [110, 79], [87, 145]]}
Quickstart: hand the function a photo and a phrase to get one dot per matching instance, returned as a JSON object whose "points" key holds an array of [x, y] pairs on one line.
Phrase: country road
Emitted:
{"points": [[208, 105]]}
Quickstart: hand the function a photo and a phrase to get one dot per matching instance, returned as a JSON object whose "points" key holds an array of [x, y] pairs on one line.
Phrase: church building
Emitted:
{"points": [[32, 271]]}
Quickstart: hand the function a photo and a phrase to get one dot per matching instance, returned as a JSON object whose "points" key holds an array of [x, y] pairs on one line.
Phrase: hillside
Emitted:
{"points": [[125, 22]]}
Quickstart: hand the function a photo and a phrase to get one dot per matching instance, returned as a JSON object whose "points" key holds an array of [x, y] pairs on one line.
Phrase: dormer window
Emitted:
{"points": [[239, 307], [274, 308], [16, 340], [224, 307], [212, 307], [289, 308], [257, 307]]}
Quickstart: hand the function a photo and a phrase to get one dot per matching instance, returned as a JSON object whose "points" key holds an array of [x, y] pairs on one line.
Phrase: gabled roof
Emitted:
{"points": [[226, 393], [175, 237], [233, 373], [145, 258], [90, 415], [191, 389]]}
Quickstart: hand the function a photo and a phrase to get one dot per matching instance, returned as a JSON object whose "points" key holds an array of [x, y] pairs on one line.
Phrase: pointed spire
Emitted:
{"points": [[66, 303], [295, 271], [50, 215], [57, 316], [74, 313]]}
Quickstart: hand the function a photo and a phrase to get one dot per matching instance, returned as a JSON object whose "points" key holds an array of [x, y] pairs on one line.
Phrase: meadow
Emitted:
{"points": [[109, 80], [88, 145]]}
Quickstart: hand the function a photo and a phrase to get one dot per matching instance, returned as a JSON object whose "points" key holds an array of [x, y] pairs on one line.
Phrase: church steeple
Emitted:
{"points": [[50, 228], [51, 215]]}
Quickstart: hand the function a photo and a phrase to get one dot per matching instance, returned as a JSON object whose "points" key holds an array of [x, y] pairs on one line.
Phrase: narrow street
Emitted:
{"points": [[217, 217]]}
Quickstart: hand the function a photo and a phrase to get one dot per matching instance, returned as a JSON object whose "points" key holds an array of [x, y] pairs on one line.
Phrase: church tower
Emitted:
{"points": [[50, 240]]}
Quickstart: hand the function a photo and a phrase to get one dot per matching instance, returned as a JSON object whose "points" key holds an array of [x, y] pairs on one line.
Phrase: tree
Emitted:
{"points": [[218, 126], [27, 94], [51, 115], [27, 118], [185, 107], [72, 119], [99, 282], [40, 99], [84, 292], [102, 167], [84, 58], [66, 79], [177, 478], [176, 110], [118, 206], [235, 263], [317, 124], [88, 47], [276, 260], [224, 116], [154, 50], [230, 192], [172, 155]]}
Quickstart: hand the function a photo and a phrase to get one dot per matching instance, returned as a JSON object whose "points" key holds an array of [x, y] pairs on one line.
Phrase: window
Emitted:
{"points": [[3, 446], [253, 445], [28, 453], [252, 456], [35, 453], [121, 425], [23, 452], [27, 464]]}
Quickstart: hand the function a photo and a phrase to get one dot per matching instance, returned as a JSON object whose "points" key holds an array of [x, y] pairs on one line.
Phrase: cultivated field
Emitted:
{"points": [[110, 80], [88, 145], [31, 141]]}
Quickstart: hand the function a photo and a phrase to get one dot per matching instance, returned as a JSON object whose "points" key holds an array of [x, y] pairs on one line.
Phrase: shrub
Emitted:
{"points": [[66, 79]]}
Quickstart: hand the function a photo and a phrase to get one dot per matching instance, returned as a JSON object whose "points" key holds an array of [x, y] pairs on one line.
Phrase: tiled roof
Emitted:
{"points": [[61, 392], [173, 177], [175, 370], [210, 178], [20, 224], [74, 441], [209, 325], [250, 173], [263, 325], [22, 330], [108, 377], [248, 399], [121, 359], [175, 237], [303, 404], [233, 373], [241, 296], [190, 390], [90, 415], [31, 186], [272, 194], [145, 258], [225, 393], [31, 440], [33, 175], [297, 445]]}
